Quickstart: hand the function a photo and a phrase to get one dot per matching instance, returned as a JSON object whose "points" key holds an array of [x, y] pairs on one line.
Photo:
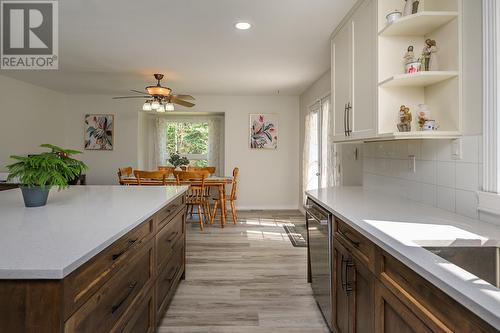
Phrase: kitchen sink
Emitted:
{"points": [[483, 262]]}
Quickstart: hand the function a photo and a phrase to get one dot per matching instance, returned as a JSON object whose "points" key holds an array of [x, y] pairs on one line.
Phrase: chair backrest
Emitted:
{"points": [[144, 176], [167, 168], [234, 183], [196, 190], [210, 170], [124, 172]]}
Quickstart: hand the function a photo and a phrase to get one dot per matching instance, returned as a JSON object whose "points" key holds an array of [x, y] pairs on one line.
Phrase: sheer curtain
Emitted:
{"points": [[310, 166], [161, 154], [215, 145], [328, 163]]}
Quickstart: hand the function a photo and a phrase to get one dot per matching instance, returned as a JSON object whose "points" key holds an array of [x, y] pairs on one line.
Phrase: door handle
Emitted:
{"points": [[349, 107], [317, 174], [346, 284], [345, 119]]}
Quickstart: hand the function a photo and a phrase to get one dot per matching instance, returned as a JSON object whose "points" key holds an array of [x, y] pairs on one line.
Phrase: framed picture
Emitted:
{"points": [[263, 131], [99, 132]]}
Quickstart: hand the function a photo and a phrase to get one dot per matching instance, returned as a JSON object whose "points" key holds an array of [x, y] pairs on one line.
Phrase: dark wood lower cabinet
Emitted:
{"points": [[353, 293], [374, 292], [125, 288]]}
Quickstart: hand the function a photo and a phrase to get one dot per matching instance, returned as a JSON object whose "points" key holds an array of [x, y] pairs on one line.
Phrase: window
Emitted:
{"points": [[189, 139]]}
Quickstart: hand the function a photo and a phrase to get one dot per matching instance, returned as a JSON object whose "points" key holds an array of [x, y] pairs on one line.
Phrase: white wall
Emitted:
{"points": [[316, 91], [30, 116], [268, 179], [103, 165]]}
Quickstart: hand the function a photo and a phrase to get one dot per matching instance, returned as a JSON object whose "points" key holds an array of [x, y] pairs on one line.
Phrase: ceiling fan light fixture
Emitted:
{"points": [[242, 25], [161, 108], [158, 90], [169, 107], [147, 106], [155, 105]]}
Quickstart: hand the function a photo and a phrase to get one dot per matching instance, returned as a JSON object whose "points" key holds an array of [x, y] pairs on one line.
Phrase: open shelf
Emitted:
{"points": [[419, 24], [413, 135], [419, 79]]}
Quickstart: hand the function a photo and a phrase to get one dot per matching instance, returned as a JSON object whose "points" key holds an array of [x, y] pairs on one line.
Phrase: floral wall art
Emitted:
{"points": [[264, 131], [99, 132]]}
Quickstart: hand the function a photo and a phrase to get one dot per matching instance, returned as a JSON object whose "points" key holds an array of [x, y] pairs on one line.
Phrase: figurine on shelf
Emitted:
{"points": [[426, 54], [423, 115], [433, 63], [405, 119], [415, 6], [412, 65], [408, 9]]}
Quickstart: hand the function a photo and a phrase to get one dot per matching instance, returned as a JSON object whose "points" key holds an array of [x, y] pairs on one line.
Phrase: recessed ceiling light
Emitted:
{"points": [[242, 25]]}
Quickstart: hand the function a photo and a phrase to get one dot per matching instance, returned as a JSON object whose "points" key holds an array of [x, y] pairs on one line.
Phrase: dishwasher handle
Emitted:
{"points": [[316, 218]]}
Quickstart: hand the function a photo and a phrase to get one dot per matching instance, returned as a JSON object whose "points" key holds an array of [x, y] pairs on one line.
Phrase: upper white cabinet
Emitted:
{"points": [[369, 83], [354, 75]]}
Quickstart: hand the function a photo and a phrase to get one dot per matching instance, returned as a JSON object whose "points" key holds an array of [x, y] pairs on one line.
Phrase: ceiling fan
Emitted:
{"points": [[160, 98]]}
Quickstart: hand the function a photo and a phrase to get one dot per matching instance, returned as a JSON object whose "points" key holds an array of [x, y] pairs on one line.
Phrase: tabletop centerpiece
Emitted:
{"points": [[37, 173], [177, 161]]}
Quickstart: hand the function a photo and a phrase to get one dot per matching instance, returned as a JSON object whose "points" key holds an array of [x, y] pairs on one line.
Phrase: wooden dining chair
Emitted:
{"points": [[210, 170], [151, 177], [196, 193], [124, 173], [231, 198], [167, 168]]}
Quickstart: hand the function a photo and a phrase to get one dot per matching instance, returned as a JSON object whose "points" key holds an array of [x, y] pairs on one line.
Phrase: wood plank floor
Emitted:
{"points": [[244, 278]]}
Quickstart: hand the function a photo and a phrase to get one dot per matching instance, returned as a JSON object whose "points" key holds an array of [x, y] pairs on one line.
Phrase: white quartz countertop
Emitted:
{"points": [[76, 224], [401, 227]]}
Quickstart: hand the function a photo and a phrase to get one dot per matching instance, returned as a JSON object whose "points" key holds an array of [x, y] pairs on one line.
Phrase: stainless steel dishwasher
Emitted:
{"points": [[319, 236]]}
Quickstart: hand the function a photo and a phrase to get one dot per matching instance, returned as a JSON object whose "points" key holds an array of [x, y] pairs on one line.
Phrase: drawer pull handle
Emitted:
{"points": [[353, 242], [131, 288], [119, 254], [344, 278], [172, 237]]}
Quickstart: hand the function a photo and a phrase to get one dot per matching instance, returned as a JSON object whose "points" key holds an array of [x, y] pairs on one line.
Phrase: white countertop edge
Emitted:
{"points": [[488, 311], [57, 274]]}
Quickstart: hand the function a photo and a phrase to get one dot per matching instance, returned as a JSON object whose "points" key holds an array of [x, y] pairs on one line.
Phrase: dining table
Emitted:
{"points": [[218, 182]]}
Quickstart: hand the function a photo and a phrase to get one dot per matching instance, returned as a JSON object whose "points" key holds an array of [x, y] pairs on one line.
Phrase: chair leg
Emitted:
{"points": [[233, 212], [214, 211], [208, 216], [191, 211], [200, 217]]}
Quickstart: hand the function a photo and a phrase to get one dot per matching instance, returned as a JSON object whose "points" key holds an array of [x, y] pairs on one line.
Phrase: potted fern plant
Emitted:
{"points": [[38, 173]]}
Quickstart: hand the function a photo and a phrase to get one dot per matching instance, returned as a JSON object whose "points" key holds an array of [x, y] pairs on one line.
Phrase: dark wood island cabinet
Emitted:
{"points": [[127, 287]]}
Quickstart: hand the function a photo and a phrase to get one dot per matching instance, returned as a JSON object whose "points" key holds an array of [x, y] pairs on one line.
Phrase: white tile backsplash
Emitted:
{"points": [[439, 179], [445, 174]]}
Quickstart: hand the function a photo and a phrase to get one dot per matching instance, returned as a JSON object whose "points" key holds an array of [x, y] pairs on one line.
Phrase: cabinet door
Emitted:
{"points": [[362, 298], [340, 295], [341, 79], [364, 55], [392, 316]]}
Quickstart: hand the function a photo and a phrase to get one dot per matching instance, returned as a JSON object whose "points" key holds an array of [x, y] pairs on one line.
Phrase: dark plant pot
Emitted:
{"points": [[35, 196]]}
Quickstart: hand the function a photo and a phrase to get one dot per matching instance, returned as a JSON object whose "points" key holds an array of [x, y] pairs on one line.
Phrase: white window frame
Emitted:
{"points": [[489, 198]]}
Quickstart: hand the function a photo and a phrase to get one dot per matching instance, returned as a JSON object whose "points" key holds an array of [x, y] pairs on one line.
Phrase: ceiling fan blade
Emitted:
{"points": [[175, 100], [138, 91], [122, 97], [186, 97]]}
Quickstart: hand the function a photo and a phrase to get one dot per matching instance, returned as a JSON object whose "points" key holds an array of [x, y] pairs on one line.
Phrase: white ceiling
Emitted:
{"points": [[111, 46]]}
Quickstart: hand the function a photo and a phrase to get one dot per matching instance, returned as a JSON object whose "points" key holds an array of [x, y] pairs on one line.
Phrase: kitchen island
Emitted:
{"points": [[95, 259], [388, 266]]}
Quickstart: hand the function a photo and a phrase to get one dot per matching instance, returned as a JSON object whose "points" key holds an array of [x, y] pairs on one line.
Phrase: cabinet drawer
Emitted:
{"points": [[165, 214], [167, 278], [102, 311], [143, 317], [169, 239], [360, 246], [432, 306], [84, 282]]}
